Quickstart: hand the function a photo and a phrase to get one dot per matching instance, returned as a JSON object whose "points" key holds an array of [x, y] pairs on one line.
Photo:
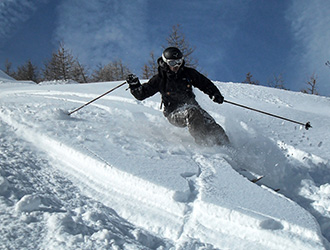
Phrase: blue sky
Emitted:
{"points": [[231, 37]]}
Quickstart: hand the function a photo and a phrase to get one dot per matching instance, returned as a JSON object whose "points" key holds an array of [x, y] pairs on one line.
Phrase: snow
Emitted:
{"points": [[117, 175], [4, 77]]}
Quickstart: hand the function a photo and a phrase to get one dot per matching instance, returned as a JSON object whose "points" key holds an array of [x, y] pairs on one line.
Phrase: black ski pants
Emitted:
{"points": [[201, 125]]}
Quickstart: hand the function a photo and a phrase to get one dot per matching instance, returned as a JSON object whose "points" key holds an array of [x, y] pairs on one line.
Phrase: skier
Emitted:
{"points": [[174, 81]]}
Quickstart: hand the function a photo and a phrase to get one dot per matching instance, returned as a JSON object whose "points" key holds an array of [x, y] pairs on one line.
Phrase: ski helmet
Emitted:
{"points": [[172, 53]]}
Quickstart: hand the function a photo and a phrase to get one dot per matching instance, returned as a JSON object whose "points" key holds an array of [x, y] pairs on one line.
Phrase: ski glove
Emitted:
{"points": [[133, 81], [218, 98]]}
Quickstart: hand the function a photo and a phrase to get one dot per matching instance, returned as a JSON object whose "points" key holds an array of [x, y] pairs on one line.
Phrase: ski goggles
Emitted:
{"points": [[174, 62]]}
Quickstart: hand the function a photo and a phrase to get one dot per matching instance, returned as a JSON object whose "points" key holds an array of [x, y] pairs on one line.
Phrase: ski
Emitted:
{"points": [[257, 179]]}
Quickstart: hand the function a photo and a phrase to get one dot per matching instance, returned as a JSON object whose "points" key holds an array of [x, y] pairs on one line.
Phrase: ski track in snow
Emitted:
{"points": [[77, 165], [40, 195]]}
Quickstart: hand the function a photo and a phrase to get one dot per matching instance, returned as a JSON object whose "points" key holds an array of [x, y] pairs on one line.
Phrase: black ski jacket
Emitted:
{"points": [[175, 88]]}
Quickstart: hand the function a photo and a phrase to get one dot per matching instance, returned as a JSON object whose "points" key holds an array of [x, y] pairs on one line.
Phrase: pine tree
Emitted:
{"points": [[277, 82], [27, 72], [79, 73], [248, 79], [177, 39], [63, 66], [151, 68], [8, 70], [312, 86], [114, 71]]}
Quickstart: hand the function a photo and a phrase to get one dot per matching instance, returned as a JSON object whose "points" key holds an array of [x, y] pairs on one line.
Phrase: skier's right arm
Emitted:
{"points": [[142, 91]]}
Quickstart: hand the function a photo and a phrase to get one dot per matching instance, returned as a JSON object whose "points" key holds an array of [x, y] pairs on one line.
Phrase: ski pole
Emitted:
{"points": [[70, 113], [307, 125]]}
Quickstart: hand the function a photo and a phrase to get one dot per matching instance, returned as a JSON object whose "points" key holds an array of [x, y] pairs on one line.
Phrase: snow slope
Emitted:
{"points": [[117, 175], [4, 77]]}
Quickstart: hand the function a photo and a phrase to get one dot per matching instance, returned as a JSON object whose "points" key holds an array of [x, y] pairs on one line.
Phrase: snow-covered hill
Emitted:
{"points": [[4, 77], [117, 175]]}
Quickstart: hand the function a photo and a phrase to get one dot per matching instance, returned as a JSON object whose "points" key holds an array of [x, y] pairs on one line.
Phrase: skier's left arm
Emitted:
{"points": [[204, 84]]}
